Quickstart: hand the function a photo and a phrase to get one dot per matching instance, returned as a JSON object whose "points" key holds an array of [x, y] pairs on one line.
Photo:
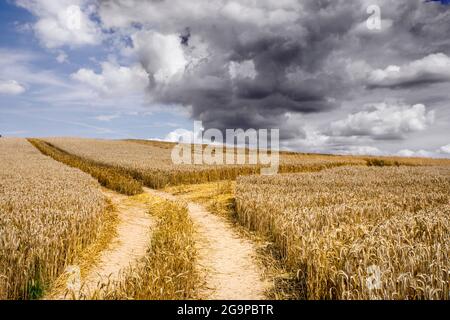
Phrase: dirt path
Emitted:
{"points": [[130, 244], [227, 260]]}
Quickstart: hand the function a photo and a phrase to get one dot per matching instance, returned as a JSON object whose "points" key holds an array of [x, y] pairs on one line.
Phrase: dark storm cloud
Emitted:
{"points": [[289, 57], [288, 62]]}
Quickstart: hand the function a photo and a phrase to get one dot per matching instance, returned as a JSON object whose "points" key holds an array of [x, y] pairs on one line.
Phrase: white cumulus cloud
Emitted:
{"points": [[430, 69], [180, 135], [416, 153], [360, 151], [11, 87], [63, 22], [445, 149], [114, 80], [161, 55], [384, 121]]}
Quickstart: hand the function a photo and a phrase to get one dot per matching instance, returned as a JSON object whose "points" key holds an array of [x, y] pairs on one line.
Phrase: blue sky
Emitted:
{"points": [[314, 70], [51, 105]]}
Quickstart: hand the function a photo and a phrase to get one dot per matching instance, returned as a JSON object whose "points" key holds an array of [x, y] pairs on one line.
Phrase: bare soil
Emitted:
{"points": [[227, 261]]}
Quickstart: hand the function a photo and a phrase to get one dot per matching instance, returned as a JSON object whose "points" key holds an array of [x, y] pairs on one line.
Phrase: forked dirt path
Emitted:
{"points": [[129, 244], [226, 260]]}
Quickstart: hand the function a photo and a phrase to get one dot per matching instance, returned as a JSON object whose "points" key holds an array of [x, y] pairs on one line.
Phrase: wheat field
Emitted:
{"points": [[168, 271], [338, 228], [110, 177], [48, 213], [150, 162]]}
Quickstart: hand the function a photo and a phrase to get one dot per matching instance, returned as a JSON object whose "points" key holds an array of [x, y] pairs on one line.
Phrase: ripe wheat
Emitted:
{"points": [[110, 177], [151, 162], [338, 228], [169, 270], [48, 212]]}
